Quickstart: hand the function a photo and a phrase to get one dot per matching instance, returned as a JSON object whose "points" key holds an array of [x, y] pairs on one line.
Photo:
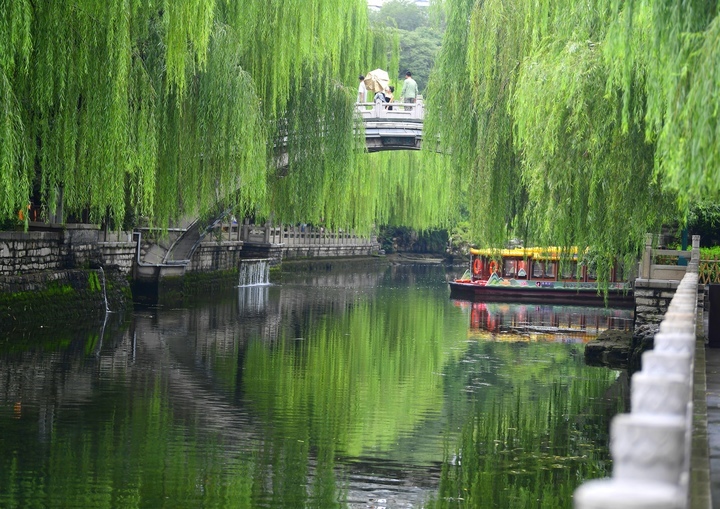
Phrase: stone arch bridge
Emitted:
{"points": [[399, 128]]}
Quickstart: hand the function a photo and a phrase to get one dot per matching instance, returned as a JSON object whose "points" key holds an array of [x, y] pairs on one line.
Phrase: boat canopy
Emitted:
{"points": [[537, 253]]}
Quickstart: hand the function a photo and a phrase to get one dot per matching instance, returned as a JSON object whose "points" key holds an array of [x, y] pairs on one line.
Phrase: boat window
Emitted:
{"points": [[549, 269], [592, 275], [521, 272], [509, 268], [569, 270], [537, 269]]}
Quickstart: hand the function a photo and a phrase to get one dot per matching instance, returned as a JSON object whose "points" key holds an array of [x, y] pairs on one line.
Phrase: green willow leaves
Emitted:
{"points": [[580, 121], [172, 109]]}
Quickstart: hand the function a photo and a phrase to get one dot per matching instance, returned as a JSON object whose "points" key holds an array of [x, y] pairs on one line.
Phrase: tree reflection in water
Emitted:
{"points": [[339, 390]]}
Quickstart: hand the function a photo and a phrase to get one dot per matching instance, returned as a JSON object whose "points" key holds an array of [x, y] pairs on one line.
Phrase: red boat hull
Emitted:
{"points": [[545, 293]]}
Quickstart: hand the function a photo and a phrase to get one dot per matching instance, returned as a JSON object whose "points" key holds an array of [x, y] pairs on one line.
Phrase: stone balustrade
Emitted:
{"points": [[651, 445], [298, 238], [391, 111], [657, 283]]}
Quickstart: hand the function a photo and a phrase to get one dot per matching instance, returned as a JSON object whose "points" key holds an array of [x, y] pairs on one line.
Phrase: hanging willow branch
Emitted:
{"points": [[556, 118], [137, 108]]}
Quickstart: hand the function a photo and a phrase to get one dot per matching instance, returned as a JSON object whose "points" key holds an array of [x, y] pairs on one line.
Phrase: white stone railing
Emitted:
{"points": [[650, 446], [399, 111], [651, 270], [293, 236]]}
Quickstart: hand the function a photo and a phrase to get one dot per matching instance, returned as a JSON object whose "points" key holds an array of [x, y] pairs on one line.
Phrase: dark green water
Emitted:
{"points": [[359, 389]]}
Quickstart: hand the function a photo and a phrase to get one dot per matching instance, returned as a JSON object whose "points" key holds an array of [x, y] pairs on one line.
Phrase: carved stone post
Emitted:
{"points": [[648, 447], [659, 394], [646, 257]]}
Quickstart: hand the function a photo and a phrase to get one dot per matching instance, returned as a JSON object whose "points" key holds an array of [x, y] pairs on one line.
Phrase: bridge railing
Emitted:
{"points": [[651, 266], [392, 111], [305, 236], [292, 236], [651, 446]]}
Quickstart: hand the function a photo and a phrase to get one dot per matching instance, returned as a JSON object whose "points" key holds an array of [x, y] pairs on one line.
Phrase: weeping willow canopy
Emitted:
{"points": [[172, 108], [581, 122]]}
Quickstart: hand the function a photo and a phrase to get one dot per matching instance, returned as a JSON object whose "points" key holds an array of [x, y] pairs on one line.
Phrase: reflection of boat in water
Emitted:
{"points": [[537, 322], [537, 275]]}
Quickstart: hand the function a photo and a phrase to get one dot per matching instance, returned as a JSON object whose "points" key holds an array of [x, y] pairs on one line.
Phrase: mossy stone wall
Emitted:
{"points": [[53, 296]]}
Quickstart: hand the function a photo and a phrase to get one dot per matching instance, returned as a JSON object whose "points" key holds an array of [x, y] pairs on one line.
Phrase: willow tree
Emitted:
{"points": [[578, 121], [172, 108]]}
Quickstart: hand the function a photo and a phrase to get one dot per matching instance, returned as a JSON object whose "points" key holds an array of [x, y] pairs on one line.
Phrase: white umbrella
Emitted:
{"points": [[377, 80]]}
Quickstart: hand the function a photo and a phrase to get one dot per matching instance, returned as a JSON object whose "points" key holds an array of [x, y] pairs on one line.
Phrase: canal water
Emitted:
{"points": [[353, 388]]}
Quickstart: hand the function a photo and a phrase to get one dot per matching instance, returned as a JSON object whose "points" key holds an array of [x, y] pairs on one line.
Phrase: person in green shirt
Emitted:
{"points": [[409, 90]]}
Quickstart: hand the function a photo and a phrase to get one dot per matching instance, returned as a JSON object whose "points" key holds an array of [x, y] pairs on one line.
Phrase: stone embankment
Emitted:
{"points": [[72, 273], [618, 349]]}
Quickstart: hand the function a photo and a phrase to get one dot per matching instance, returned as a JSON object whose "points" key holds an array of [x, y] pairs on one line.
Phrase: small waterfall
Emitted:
{"points": [[254, 272]]}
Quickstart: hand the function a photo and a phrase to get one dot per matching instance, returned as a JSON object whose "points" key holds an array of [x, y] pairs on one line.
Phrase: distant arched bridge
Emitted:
{"points": [[399, 128]]}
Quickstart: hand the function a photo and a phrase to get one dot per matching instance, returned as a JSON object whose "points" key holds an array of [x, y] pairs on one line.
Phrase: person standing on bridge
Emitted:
{"points": [[362, 90], [389, 96], [409, 90]]}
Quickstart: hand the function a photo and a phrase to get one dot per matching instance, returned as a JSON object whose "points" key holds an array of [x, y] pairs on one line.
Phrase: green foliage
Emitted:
{"points": [[402, 14], [418, 50], [94, 282], [557, 124], [710, 253], [704, 220], [461, 239], [400, 238], [143, 110], [419, 35], [665, 55]]}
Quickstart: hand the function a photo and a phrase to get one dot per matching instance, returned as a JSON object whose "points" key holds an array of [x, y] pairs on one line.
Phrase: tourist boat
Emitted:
{"points": [[537, 275]]}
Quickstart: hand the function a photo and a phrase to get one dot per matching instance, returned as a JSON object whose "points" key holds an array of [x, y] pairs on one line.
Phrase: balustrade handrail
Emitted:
{"points": [[652, 445], [391, 111], [649, 269], [291, 236]]}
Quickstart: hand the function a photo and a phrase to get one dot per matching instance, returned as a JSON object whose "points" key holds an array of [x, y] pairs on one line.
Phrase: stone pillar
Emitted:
{"points": [[646, 257]]}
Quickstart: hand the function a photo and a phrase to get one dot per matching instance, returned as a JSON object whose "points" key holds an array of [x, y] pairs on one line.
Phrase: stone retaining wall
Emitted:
{"points": [[341, 251], [46, 276], [85, 246], [273, 252], [27, 252], [216, 256], [652, 298], [46, 297]]}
